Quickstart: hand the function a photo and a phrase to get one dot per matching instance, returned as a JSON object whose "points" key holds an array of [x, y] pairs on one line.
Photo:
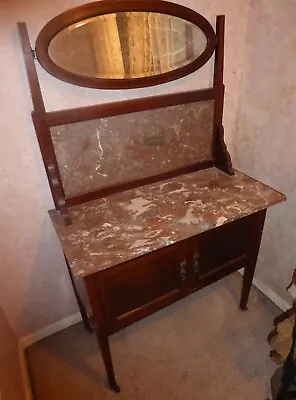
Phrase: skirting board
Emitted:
{"points": [[27, 341], [25, 374], [277, 300], [270, 294], [74, 319], [49, 330]]}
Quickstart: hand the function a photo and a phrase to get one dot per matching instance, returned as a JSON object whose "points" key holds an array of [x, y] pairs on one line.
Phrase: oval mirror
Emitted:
{"points": [[123, 49]]}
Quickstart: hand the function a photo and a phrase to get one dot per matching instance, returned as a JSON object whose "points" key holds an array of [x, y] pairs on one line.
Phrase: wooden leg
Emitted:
{"points": [[101, 326], [106, 355], [85, 317], [256, 230], [246, 288]]}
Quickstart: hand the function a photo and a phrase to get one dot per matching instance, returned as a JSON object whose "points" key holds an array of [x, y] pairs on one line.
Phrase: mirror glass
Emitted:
{"points": [[127, 45]]}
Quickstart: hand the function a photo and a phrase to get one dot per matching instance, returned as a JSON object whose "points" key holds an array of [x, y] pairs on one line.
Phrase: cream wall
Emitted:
{"points": [[265, 142], [34, 285]]}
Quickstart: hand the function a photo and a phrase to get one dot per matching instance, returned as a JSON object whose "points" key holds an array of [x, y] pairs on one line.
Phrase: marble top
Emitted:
{"points": [[123, 226]]}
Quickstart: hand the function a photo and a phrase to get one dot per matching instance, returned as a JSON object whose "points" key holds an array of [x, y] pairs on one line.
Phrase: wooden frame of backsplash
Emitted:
{"points": [[44, 120]]}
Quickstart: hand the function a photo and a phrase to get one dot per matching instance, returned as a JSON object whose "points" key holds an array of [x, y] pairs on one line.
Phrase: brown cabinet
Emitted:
{"points": [[135, 289], [223, 247], [132, 290], [133, 176], [140, 286]]}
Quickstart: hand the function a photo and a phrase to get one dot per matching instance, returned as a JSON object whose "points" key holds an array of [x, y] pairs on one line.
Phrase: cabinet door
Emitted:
{"points": [[148, 283], [222, 250]]}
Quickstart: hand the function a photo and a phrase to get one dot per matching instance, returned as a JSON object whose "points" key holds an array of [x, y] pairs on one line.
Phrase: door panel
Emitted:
{"points": [[144, 280], [219, 247]]}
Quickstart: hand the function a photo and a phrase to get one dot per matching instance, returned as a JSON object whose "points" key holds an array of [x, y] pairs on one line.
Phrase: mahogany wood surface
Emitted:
{"points": [[142, 281], [80, 13], [33, 80], [254, 241], [72, 115], [81, 304], [221, 155], [230, 243], [44, 120], [41, 126], [101, 330], [135, 289]]}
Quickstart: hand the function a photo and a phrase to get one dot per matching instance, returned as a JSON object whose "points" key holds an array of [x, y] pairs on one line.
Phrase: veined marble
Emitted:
{"points": [[123, 148], [123, 226]]}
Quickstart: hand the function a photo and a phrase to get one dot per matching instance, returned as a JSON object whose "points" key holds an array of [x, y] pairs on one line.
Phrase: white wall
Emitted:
{"points": [[34, 286], [265, 142]]}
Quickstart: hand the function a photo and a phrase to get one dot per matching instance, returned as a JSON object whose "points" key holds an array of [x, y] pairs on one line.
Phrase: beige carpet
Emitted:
{"points": [[202, 347]]}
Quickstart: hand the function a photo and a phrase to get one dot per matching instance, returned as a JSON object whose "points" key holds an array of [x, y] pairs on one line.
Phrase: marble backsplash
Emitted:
{"points": [[122, 148]]}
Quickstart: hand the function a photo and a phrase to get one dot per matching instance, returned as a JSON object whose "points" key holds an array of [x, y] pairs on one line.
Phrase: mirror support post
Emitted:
{"points": [[29, 55], [42, 127], [221, 155]]}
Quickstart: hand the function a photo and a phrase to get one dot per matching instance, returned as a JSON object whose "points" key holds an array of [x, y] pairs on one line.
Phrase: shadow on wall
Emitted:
{"points": [[37, 308]]}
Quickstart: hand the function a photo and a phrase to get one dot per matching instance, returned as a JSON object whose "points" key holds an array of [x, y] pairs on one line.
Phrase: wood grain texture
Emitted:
{"points": [[41, 126], [63, 117], [33, 80], [142, 249], [132, 291], [101, 330], [221, 154], [254, 241], [111, 6]]}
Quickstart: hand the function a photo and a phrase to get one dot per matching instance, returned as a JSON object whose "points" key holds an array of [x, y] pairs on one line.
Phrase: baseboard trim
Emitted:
{"points": [[25, 374], [75, 318], [36, 337], [49, 330], [271, 295]]}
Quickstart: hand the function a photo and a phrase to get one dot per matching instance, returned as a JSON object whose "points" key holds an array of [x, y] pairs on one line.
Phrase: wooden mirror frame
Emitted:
{"points": [[43, 121], [103, 7]]}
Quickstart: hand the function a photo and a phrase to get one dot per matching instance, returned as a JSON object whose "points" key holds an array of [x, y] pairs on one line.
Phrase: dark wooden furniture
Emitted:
{"points": [[148, 206], [87, 11]]}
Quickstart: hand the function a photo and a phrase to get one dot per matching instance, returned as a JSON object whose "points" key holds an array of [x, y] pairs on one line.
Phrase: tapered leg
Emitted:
{"points": [[85, 317], [255, 235], [106, 355], [246, 288], [95, 290]]}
